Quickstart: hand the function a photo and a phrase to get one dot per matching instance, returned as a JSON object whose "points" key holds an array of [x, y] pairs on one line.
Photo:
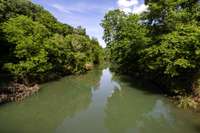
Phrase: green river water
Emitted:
{"points": [[97, 102]]}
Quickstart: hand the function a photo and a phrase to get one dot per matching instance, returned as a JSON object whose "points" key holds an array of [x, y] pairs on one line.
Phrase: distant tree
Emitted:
{"points": [[80, 30]]}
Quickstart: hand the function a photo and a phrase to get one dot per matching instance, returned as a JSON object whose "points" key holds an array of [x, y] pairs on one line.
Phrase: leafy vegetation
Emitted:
{"points": [[161, 44], [35, 47]]}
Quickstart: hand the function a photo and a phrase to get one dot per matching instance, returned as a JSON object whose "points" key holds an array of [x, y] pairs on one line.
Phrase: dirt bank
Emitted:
{"points": [[17, 92]]}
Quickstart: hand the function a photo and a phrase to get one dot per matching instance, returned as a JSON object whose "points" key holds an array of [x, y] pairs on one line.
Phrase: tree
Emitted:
{"points": [[112, 23], [161, 44], [126, 37], [27, 38], [60, 54], [80, 31], [35, 46]]}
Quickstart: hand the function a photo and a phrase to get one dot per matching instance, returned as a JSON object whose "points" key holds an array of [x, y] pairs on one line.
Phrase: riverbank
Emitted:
{"points": [[16, 92], [189, 100], [180, 97]]}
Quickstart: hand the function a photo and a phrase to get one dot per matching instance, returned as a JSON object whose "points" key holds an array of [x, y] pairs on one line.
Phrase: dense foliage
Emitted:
{"points": [[34, 46], [161, 44]]}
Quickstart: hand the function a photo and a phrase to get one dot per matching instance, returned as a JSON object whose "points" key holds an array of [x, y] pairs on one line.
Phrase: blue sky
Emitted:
{"points": [[88, 13]]}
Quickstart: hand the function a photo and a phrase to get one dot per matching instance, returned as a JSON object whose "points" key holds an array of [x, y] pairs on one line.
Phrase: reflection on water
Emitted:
{"points": [[95, 103], [160, 115], [161, 111], [91, 120]]}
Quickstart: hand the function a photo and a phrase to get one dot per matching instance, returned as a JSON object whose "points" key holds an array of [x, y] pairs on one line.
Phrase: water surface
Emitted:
{"points": [[97, 102]]}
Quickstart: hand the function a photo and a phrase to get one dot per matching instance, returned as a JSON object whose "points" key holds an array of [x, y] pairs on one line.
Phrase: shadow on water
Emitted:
{"points": [[137, 83], [138, 107]]}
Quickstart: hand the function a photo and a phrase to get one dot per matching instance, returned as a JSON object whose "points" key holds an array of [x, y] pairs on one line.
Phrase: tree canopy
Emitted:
{"points": [[34, 45], [161, 44]]}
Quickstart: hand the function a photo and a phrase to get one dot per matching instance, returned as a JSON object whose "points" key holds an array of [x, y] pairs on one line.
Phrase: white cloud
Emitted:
{"points": [[60, 8], [127, 3], [79, 7], [126, 9], [131, 6], [139, 9]]}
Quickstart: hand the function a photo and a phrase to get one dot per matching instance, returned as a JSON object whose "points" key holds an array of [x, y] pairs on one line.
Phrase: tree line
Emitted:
{"points": [[161, 44], [35, 46]]}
